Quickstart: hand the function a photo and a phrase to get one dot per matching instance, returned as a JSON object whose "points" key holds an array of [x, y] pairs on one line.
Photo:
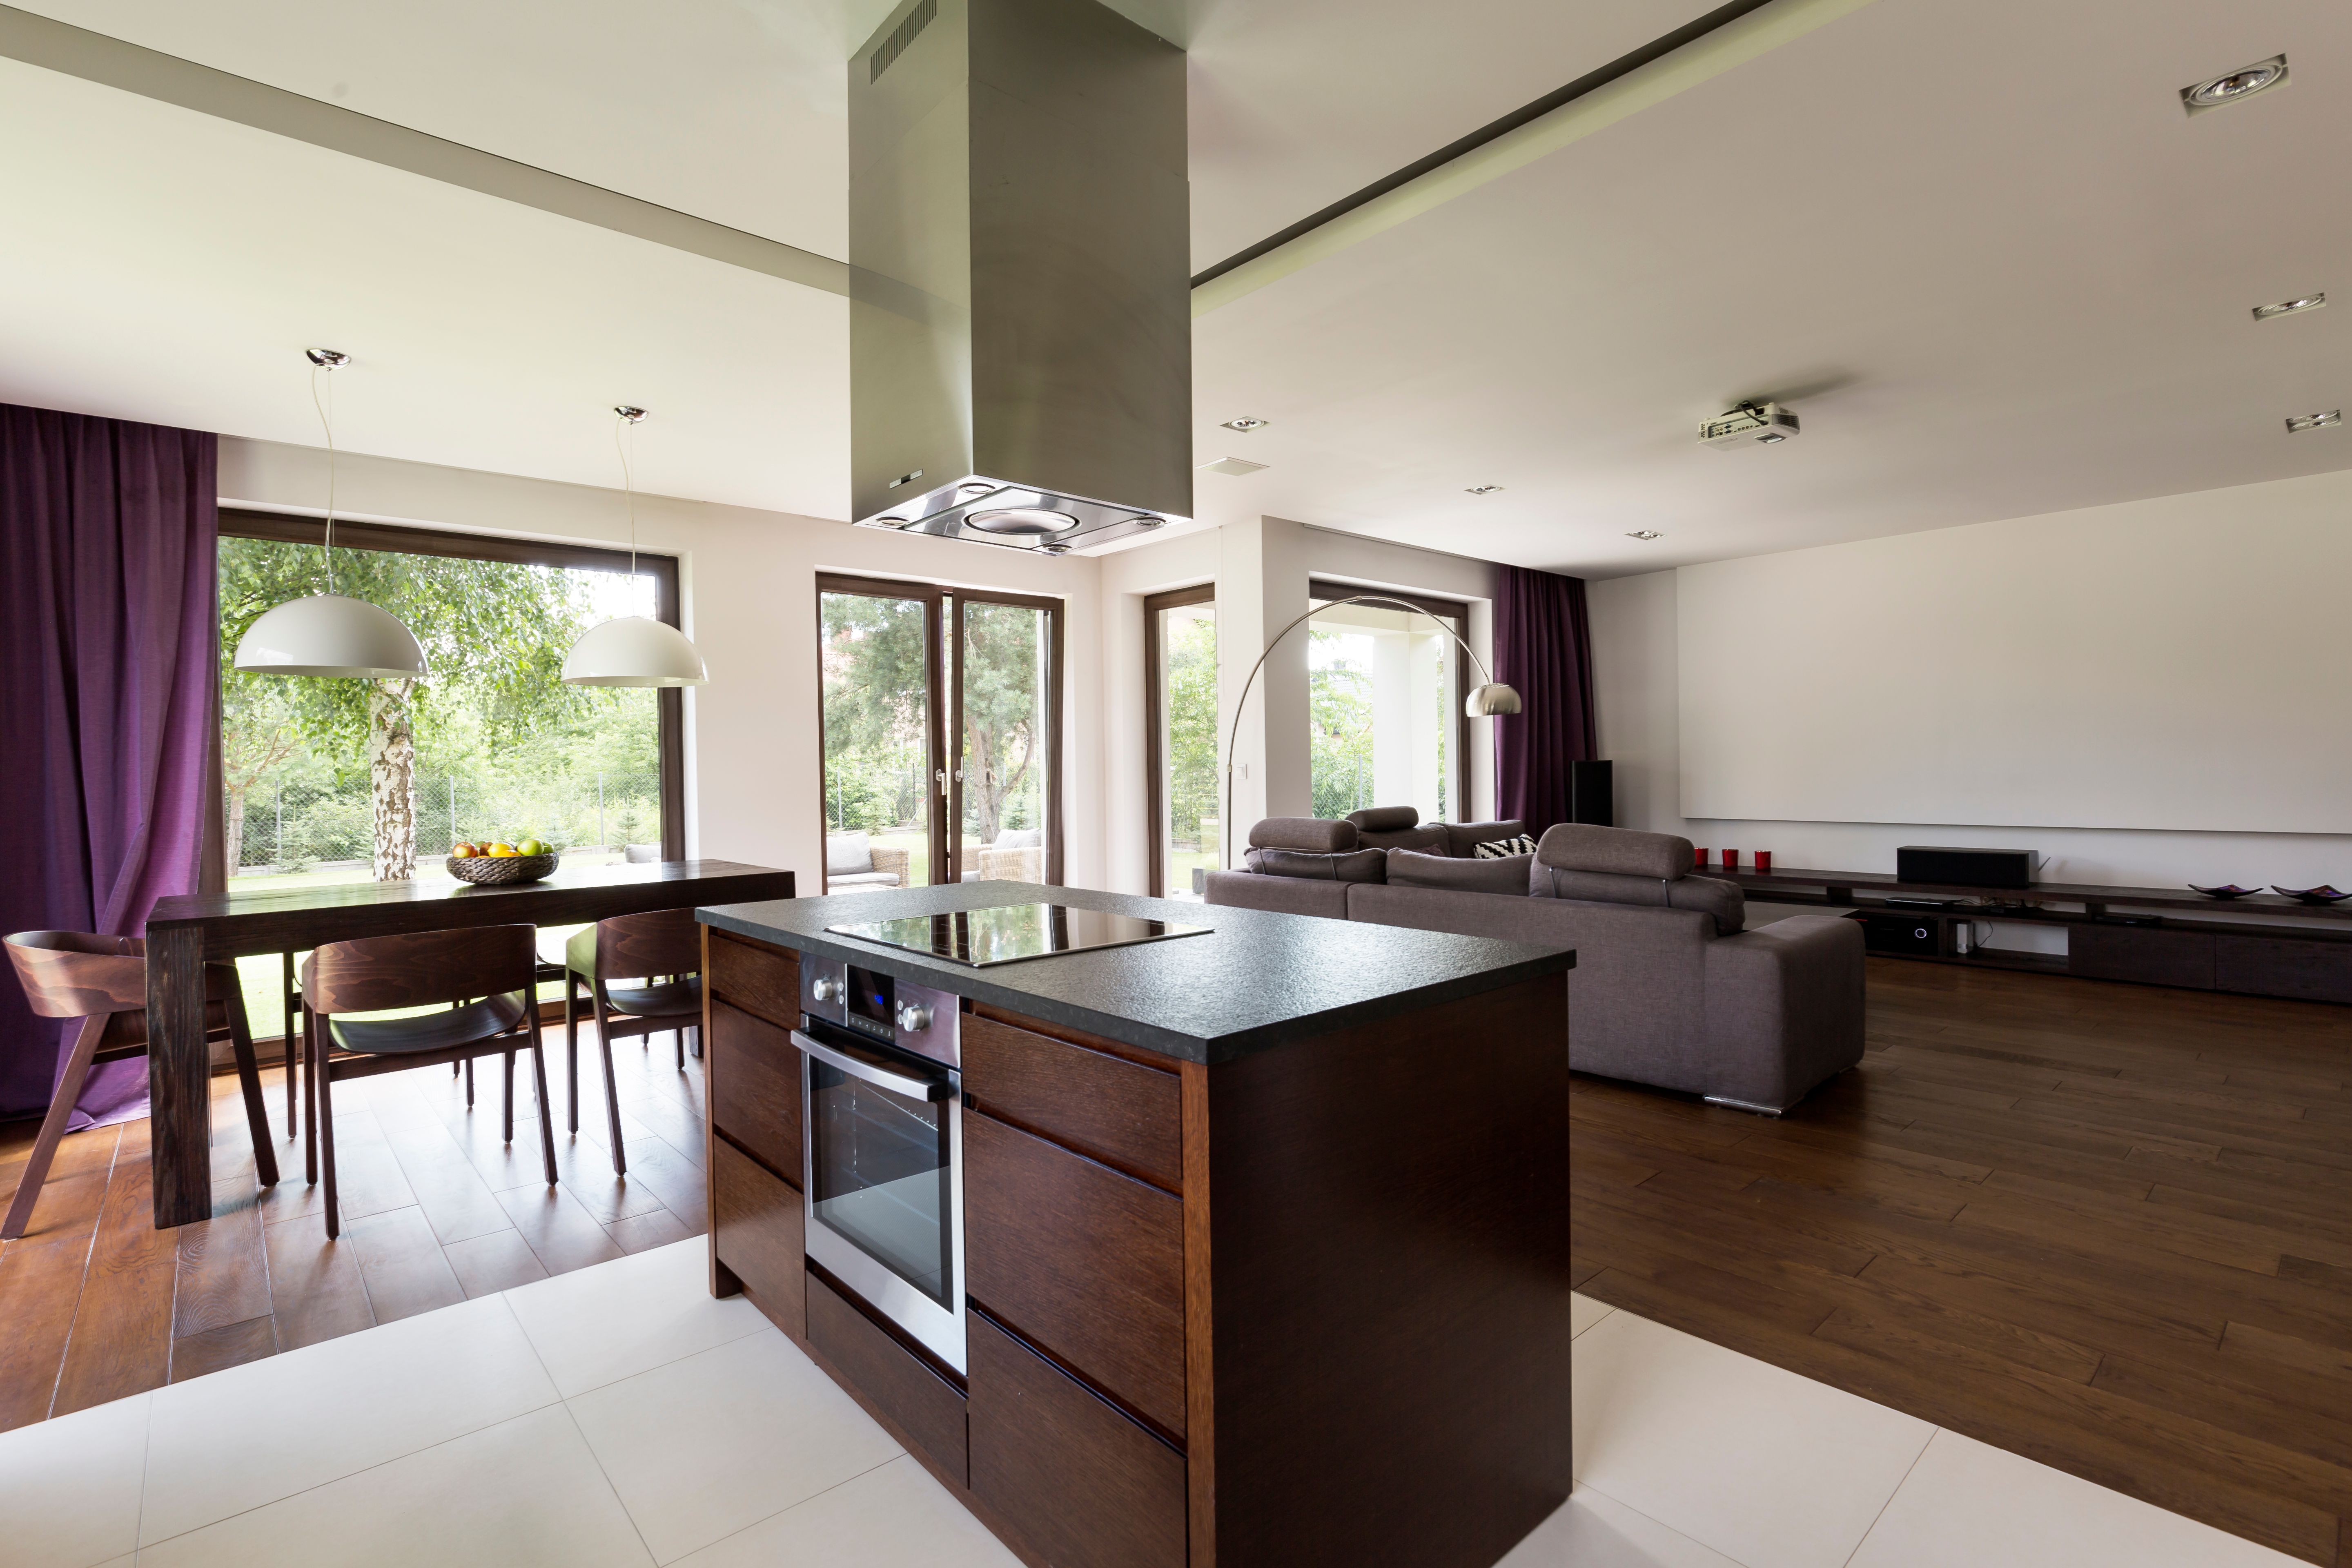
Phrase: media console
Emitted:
{"points": [[2265, 945]]}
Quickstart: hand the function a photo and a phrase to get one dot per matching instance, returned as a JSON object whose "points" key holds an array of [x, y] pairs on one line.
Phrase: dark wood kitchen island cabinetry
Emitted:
{"points": [[1265, 1231]]}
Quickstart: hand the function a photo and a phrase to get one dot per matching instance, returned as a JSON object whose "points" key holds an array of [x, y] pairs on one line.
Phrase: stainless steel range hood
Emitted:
{"points": [[1020, 318]]}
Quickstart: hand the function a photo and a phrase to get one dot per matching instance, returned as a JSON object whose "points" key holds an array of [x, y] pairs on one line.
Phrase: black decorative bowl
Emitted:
{"points": [[502, 870], [2226, 890], [2322, 894]]}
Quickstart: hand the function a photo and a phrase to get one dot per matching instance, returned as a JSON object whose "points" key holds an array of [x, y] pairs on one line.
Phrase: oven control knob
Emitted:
{"points": [[825, 990], [914, 1017]]}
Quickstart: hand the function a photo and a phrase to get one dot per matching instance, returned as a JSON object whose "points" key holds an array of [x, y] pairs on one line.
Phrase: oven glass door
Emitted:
{"points": [[885, 1184]]}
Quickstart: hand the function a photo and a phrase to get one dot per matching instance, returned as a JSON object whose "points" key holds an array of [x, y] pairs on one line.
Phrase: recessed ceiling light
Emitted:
{"points": [[1483, 489], [1246, 424], [1231, 466], [2290, 306], [1645, 534], [2233, 85], [1149, 522], [2303, 422], [1020, 519]]}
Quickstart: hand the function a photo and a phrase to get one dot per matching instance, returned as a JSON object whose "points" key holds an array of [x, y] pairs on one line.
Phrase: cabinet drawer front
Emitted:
{"points": [[1085, 1263], [755, 1087], [2148, 954], [757, 977], [1085, 1487], [2284, 966], [1127, 1116], [926, 1407], [756, 1229]]}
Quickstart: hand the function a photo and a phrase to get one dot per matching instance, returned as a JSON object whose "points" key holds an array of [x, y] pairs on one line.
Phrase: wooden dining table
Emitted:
{"points": [[188, 930]]}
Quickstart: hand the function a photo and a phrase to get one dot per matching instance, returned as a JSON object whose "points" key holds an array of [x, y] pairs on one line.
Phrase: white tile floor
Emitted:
{"points": [[618, 1415]]}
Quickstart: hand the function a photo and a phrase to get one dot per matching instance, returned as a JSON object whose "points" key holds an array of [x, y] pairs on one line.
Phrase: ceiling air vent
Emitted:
{"points": [[896, 44]]}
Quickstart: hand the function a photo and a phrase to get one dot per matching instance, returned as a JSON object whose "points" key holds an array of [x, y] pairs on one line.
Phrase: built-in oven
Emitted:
{"points": [[882, 1145]]}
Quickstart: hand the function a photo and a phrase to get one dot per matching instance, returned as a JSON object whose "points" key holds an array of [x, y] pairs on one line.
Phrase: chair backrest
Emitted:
{"points": [[76, 975], [641, 854], [667, 941], [848, 853], [418, 969]]}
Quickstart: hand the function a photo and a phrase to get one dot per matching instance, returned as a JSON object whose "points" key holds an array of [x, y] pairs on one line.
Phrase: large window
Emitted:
{"points": [[904, 666], [340, 781], [1180, 632], [1384, 708]]}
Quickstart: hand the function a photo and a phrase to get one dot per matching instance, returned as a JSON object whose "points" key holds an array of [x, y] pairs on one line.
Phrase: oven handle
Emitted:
{"points": [[923, 1089]]}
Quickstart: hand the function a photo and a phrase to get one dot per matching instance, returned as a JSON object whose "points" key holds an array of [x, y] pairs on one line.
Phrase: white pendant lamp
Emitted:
{"points": [[329, 634], [635, 650]]}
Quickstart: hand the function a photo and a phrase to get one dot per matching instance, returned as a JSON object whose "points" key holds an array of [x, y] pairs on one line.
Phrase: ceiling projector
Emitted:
{"points": [[1749, 424]]}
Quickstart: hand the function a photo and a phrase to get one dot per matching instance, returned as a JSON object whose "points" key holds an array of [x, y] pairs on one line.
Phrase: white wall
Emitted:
{"points": [[747, 586], [2224, 558], [1261, 570]]}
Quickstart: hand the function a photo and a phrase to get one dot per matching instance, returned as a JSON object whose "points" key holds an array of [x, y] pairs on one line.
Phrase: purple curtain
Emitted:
{"points": [[110, 633], [1543, 650]]}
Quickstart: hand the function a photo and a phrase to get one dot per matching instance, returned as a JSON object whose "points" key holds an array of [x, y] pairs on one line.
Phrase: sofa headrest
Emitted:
{"points": [[1386, 819], [1704, 895], [1616, 851], [1356, 865], [1311, 835], [1506, 875], [1428, 839]]}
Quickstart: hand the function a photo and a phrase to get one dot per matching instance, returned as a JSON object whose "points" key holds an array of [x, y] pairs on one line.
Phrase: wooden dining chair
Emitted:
{"points": [[664, 950], [103, 981], [489, 972]]}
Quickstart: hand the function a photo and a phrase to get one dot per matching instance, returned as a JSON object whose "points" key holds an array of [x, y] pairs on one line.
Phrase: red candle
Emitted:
{"points": [[1763, 859], [1731, 859], [1700, 863]]}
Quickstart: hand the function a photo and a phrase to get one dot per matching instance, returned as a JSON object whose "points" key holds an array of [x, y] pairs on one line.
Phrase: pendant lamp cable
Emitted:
{"points": [[625, 418], [327, 420]]}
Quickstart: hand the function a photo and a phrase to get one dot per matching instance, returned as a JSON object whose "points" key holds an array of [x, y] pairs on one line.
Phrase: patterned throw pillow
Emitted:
{"points": [[1503, 849]]}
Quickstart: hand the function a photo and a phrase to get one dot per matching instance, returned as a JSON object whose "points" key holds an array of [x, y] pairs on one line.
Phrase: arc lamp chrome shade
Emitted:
{"points": [[1485, 702], [329, 635], [634, 650]]}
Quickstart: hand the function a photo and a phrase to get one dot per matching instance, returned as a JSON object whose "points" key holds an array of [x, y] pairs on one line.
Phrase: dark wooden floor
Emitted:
{"points": [[96, 1304], [2106, 1227]]}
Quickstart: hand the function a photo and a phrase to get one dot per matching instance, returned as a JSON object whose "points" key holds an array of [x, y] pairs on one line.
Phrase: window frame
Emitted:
{"points": [[1457, 611], [1154, 719], [669, 706]]}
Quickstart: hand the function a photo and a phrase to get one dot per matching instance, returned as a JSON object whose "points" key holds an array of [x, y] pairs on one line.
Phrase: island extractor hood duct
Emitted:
{"points": [[1019, 316]]}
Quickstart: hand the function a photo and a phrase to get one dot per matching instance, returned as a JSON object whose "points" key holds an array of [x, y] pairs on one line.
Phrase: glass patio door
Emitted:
{"points": [[1180, 667], [876, 660], [941, 717], [1005, 784]]}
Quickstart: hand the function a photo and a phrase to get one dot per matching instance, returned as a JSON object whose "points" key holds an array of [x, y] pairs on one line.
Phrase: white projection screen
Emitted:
{"points": [[2178, 664]]}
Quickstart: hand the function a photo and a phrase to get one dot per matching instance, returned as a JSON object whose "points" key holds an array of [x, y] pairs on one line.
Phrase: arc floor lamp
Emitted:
{"points": [[1485, 701]]}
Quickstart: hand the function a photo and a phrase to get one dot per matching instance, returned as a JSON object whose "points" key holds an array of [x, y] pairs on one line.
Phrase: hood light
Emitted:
{"points": [[1020, 519]]}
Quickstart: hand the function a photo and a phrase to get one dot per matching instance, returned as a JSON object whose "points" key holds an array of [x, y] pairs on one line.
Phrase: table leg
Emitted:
{"points": [[179, 1072]]}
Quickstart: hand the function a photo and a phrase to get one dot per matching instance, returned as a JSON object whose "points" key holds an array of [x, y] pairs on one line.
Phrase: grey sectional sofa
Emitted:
{"points": [[1670, 988]]}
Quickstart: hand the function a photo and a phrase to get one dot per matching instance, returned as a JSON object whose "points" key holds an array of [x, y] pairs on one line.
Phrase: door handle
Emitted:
{"points": [[930, 1090]]}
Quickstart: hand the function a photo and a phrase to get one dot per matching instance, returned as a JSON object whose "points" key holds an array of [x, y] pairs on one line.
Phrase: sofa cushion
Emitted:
{"points": [[1385, 819], [1357, 865], [1706, 895], [1463, 838], [1618, 851], [1428, 839], [1408, 868], [848, 852], [1315, 835]]}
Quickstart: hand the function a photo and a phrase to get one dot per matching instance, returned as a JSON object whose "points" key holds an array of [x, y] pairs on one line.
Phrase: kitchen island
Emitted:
{"points": [[1241, 1248]]}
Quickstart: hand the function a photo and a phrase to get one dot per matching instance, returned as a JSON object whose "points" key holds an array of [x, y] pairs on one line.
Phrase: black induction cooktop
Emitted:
{"points": [[1008, 933]]}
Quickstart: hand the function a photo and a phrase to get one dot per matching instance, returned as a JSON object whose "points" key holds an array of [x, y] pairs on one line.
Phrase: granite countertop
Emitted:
{"points": [[1261, 979]]}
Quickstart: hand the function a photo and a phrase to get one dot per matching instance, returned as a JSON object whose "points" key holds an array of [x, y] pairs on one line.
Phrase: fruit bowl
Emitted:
{"points": [[502, 870]]}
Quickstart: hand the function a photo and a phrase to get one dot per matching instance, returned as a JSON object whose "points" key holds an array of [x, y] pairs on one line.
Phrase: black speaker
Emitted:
{"points": [[1952, 867], [1592, 796]]}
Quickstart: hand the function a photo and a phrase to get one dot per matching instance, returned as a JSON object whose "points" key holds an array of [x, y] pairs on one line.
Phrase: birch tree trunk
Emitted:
{"points": [[233, 832], [392, 771]]}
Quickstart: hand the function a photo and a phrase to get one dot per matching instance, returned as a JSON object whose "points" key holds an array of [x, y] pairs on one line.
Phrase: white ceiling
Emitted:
{"points": [[1980, 247]]}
